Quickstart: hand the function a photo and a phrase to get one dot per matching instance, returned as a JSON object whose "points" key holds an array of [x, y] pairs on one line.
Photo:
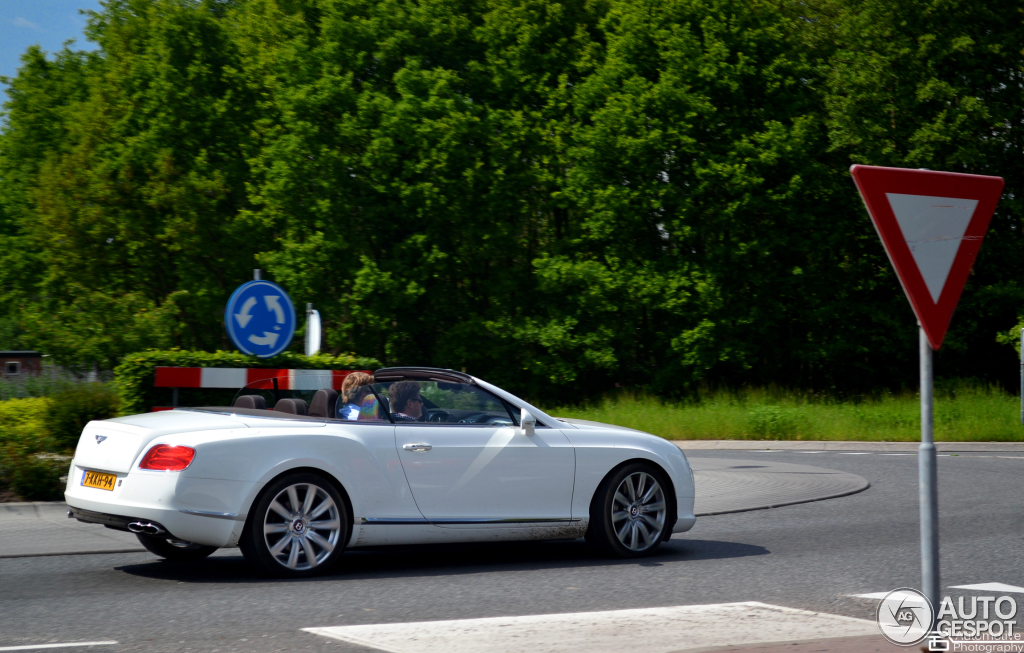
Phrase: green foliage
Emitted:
{"points": [[135, 375], [561, 197], [77, 406], [31, 462], [963, 413]]}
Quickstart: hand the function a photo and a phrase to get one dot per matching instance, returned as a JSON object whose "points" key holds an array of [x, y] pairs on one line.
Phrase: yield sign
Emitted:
{"points": [[932, 225]]}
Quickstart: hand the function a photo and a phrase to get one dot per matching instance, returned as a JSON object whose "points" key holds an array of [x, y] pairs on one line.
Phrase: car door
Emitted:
{"points": [[468, 463]]}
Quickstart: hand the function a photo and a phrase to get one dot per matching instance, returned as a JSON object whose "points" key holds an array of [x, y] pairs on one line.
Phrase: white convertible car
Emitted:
{"points": [[407, 456]]}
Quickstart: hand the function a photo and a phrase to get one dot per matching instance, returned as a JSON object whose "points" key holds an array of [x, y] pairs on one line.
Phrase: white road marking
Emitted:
{"points": [[37, 647], [663, 630], [897, 454], [990, 587], [873, 595], [854, 453]]}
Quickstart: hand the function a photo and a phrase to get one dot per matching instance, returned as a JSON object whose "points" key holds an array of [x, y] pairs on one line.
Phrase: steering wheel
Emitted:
{"points": [[437, 416]]}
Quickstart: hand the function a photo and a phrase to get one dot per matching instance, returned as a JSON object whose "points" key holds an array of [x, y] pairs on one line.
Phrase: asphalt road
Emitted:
{"points": [[810, 556]]}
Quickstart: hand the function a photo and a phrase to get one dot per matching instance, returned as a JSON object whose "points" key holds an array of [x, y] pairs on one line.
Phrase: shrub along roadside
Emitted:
{"points": [[28, 466], [38, 437], [136, 373]]}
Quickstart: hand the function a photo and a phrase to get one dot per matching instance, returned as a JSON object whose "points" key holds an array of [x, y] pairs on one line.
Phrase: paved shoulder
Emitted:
{"points": [[43, 528], [726, 485]]}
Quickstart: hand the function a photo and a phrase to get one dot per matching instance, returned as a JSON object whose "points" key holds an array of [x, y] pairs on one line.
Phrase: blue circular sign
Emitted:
{"points": [[260, 318]]}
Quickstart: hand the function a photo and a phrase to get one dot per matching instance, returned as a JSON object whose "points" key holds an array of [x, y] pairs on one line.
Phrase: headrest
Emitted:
{"points": [[323, 403], [250, 401], [292, 406]]}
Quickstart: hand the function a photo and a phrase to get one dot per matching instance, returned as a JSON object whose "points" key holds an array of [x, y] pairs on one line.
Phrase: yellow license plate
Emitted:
{"points": [[99, 480]]}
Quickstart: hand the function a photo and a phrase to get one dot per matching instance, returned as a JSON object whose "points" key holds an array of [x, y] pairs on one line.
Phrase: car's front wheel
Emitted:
{"points": [[298, 527], [174, 550], [629, 514]]}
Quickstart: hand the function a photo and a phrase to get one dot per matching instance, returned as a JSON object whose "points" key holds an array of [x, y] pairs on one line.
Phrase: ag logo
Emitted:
{"points": [[905, 616], [100, 439]]}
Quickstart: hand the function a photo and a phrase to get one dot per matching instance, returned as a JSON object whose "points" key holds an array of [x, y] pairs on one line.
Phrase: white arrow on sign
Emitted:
{"points": [[244, 317], [268, 339], [273, 305]]}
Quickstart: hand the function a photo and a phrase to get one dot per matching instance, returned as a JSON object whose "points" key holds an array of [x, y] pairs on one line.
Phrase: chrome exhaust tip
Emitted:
{"points": [[147, 528]]}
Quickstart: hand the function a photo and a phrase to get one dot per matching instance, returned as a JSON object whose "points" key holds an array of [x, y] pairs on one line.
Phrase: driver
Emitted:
{"points": [[406, 402]]}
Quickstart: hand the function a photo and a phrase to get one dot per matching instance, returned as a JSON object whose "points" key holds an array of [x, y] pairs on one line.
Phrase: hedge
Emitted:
{"points": [[135, 375], [28, 465], [38, 437]]}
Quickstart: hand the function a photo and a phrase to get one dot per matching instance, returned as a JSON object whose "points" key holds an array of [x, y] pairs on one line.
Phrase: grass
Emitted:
{"points": [[963, 413]]}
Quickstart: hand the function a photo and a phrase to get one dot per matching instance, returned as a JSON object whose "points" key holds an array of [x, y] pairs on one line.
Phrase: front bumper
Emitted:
{"points": [[684, 515]]}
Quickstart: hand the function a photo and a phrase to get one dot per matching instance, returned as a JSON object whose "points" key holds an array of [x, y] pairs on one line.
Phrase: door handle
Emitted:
{"points": [[419, 446]]}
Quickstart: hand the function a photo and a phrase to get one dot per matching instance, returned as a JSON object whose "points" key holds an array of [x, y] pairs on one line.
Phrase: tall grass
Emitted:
{"points": [[963, 412]]}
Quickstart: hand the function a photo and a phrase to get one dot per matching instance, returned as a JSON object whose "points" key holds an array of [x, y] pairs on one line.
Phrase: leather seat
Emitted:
{"points": [[292, 406], [324, 403], [250, 401]]}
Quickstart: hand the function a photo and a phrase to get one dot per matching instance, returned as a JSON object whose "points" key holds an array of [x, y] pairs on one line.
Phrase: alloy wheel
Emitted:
{"points": [[302, 526], [638, 512]]}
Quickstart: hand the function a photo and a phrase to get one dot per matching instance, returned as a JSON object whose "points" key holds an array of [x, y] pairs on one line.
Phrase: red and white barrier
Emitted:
{"points": [[239, 377]]}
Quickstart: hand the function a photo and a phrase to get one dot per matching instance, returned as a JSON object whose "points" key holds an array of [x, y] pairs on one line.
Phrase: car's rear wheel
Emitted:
{"points": [[629, 514], [298, 527], [174, 550]]}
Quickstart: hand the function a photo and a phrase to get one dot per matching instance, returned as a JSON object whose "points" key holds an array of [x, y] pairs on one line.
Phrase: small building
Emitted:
{"points": [[15, 364]]}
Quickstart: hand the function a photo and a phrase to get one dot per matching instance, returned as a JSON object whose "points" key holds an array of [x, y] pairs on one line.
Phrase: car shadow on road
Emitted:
{"points": [[445, 560]]}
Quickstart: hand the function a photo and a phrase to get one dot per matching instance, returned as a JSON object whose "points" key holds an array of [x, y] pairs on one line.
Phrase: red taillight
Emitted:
{"points": [[165, 458]]}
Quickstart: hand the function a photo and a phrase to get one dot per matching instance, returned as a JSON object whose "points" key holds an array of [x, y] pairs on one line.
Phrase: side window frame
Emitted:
{"points": [[509, 408]]}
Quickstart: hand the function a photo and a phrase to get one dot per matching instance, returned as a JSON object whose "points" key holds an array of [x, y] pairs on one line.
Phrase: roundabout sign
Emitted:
{"points": [[260, 319]]}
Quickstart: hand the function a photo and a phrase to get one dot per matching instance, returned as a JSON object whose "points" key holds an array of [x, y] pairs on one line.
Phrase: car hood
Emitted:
{"points": [[587, 424]]}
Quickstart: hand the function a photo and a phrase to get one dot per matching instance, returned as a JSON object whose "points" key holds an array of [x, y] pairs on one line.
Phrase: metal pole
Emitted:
{"points": [[1022, 375], [927, 478], [257, 274]]}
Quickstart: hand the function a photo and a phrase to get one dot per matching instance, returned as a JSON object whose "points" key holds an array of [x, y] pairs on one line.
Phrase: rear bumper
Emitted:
{"points": [[117, 522], [201, 511]]}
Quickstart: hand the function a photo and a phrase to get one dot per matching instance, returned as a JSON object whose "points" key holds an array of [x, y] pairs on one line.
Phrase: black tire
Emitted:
{"points": [[646, 524], [174, 550], [284, 546]]}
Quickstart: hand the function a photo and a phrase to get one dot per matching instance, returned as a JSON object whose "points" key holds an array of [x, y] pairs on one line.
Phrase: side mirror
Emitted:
{"points": [[527, 422]]}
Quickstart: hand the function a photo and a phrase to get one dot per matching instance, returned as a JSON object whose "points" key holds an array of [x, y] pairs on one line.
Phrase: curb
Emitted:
{"points": [[844, 493], [69, 553], [842, 445]]}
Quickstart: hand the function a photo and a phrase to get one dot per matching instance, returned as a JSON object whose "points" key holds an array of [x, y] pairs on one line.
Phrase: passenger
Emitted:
{"points": [[406, 402], [369, 410], [354, 391]]}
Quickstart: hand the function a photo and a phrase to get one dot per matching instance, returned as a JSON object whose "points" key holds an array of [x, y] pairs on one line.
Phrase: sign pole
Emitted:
{"points": [[929, 498], [1022, 376], [931, 224]]}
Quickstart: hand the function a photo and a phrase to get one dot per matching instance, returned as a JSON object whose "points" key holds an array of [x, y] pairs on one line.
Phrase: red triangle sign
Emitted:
{"points": [[932, 225]]}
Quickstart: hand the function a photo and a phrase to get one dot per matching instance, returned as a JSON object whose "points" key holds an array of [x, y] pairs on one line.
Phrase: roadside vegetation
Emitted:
{"points": [[561, 196], [964, 412], [38, 437]]}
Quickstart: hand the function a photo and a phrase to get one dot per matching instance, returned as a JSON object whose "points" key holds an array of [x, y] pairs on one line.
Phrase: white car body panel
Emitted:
{"points": [[500, 483], [488, 472]]}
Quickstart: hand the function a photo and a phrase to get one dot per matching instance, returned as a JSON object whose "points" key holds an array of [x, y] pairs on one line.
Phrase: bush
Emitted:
{"points": [[77, 406], [31, 461], [135, 375], [772, 422]]}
